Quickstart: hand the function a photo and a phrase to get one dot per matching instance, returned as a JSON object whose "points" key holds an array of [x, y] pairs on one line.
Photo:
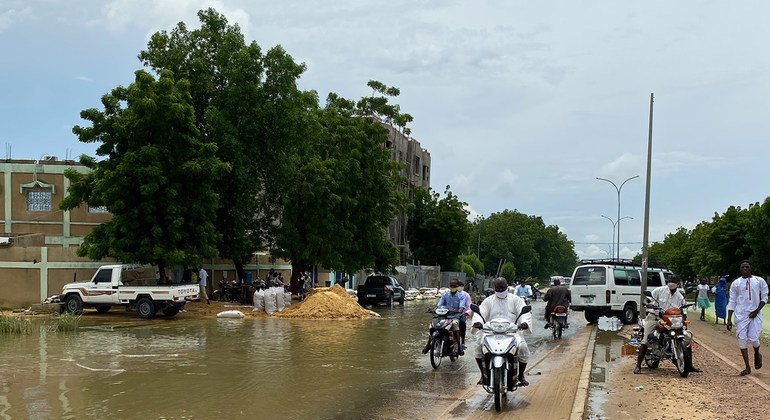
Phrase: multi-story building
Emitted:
{"points": [[416, 172]]}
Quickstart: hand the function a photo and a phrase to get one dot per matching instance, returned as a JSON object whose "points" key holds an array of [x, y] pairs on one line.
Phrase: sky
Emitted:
{"points": [[521, 104]]}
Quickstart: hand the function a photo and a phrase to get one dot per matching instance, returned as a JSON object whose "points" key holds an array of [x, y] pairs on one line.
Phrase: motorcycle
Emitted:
{"points": [[229, 291], [558, 320], [669, 341], [441, 342], [500, 341]]}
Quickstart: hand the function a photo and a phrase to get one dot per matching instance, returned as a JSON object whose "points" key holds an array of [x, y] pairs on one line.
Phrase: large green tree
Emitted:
{"points": [[344, 193], [247, 102], [438, 228], [758, 236], [533, 248], [154, 176]]}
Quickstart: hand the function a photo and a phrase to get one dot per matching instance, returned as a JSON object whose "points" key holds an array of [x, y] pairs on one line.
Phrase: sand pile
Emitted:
{"points": [[327, 303]]}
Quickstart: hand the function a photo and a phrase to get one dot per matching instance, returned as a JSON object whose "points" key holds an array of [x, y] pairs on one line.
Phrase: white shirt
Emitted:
{"points": [[509, 308], [663, 298], [703, 291], [745, 295], [202, 277]]}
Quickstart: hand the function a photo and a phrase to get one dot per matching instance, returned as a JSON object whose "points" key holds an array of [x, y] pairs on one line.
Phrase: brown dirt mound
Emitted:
{"points": [[327, 303]]}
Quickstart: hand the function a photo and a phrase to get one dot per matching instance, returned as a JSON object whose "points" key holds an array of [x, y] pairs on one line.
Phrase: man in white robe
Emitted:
{"points": [[508, 306], [748, 294]]}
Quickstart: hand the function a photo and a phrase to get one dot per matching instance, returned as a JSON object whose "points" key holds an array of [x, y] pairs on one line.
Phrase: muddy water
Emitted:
{"points": [[250, 368], [608, 349], [258, 368]]}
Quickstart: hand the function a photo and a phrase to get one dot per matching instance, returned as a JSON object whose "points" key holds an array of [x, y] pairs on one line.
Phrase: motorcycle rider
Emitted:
{"points": [[455, 302], [508, 306], [466, 313], [665, 297], [557, 295]]}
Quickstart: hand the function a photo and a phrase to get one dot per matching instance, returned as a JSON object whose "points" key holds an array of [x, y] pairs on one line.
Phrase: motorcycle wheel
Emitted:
{"points": [[558, 330], [217, 295], [680, 360], [650, 361], [498, 388], [435, 352]]}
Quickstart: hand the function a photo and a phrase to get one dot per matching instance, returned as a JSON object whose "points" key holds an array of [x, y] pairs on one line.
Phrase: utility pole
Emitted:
{"points": [[645, 241]]}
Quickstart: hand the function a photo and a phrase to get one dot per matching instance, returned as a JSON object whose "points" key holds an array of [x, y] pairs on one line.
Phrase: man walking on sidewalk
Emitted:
{"points": [[748, 295]]}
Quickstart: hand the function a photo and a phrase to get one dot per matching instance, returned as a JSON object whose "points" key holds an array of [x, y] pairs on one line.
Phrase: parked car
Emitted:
{"points": [[380, 289], [107, 289], [611, 287]]}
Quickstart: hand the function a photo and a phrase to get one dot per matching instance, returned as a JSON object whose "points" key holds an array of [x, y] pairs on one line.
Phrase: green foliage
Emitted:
{"points": [[468, 270], [248, 104], [64, 322], [716, 247], [155, 176], [14, 325], [474, 261], [508, 271], [437, 228], [536, 250], [344, 193]]}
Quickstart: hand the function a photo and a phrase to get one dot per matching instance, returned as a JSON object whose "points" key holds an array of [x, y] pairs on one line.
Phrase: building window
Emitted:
{"points": [[38, 200], [416, 165], [97, 209]]}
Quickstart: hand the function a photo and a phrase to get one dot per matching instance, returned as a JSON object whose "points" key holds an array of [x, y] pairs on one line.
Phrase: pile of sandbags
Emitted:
{"points": [[412, 294], [259, 300], [271, 300]]}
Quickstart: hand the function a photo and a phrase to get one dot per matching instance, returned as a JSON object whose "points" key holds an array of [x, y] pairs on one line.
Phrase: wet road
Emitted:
{"points": [[256, 368]]}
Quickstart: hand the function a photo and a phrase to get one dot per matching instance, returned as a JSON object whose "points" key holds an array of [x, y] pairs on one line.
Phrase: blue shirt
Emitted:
{"points": [[453, 303]]}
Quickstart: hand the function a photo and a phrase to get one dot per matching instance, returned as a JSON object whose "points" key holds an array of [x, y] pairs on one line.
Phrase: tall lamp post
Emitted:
{"points": [[613, 231], [618, 189]]}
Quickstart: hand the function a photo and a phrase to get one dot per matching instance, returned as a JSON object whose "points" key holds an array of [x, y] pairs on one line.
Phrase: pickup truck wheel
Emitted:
{"points": [[74, 304], [103, 309], [145, 308], [628, 316], [171, 310], [401, 299], [592, 316]]}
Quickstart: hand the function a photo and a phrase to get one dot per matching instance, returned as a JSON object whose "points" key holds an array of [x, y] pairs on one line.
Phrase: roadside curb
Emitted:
{"points": [[581, 396]]}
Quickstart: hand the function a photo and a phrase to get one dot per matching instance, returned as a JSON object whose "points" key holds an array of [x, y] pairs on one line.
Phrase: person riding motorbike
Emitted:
{"points": [[665, 297], [454, 300], [557, 295], [508, 306]]}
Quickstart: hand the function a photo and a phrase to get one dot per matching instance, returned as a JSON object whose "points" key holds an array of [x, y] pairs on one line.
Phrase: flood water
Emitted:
{"points": [[228, 368]]}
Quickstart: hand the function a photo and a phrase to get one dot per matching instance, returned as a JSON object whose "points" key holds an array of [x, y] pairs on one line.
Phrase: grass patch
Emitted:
{"points": [[64, 322], [14, 325]]}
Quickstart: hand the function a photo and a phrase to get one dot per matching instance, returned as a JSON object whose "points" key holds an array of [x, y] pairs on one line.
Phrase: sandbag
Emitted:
{"points": [[270, 304], [287, 298], [230, 314], [259, 301], [279, 297]]}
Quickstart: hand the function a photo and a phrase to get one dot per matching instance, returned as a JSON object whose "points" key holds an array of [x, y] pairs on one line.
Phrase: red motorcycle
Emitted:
{"points": [[558, 320]]}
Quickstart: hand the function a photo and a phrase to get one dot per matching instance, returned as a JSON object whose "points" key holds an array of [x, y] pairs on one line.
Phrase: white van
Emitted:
{"points": [[611, 287]]}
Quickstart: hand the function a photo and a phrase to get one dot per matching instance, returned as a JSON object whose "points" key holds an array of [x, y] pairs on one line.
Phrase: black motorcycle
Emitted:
{"points": [[229, 291]]}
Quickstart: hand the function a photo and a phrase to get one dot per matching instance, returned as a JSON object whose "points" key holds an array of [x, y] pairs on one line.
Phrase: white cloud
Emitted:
{"points": [[472, 213], [591, 238], [506, 183], [84, 78], [151, 16], [12, 16], [592, 252]]}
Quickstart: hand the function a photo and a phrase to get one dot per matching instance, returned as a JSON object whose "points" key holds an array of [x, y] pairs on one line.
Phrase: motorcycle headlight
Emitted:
{"points": [[442, 311], [499, 327], [676, 321]]}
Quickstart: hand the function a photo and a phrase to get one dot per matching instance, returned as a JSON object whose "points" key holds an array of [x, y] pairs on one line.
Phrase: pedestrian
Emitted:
{"points": [[703, 298], [203, 277], [748, 295], [720, 300]]}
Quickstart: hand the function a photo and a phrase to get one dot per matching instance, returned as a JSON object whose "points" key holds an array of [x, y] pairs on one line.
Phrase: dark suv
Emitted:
{"points": [[380, 289]]}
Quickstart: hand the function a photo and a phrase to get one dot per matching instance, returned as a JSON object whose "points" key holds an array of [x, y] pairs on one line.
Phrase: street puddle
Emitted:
{"points": [[608, 349]]}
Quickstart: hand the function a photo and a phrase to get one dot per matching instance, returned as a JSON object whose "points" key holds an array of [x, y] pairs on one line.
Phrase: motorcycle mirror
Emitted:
{"points": [[648, 293], [525, 310], [475, 308]]}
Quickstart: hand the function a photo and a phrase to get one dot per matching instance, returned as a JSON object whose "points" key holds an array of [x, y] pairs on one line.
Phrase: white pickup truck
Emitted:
{"points": [[107, 289]]}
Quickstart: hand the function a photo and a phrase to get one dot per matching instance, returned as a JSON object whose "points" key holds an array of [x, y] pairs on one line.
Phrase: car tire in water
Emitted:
{"points": [[436, 350], [145, 308], [103, 309], [628, 316], [74, 304]]}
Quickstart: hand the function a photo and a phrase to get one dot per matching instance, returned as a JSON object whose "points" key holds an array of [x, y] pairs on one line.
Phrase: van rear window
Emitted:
{"points": [[590, 276]]}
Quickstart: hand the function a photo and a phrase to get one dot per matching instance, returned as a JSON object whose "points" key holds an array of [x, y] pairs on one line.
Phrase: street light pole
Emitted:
{"points": [[613, 231], [618, 189]]}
